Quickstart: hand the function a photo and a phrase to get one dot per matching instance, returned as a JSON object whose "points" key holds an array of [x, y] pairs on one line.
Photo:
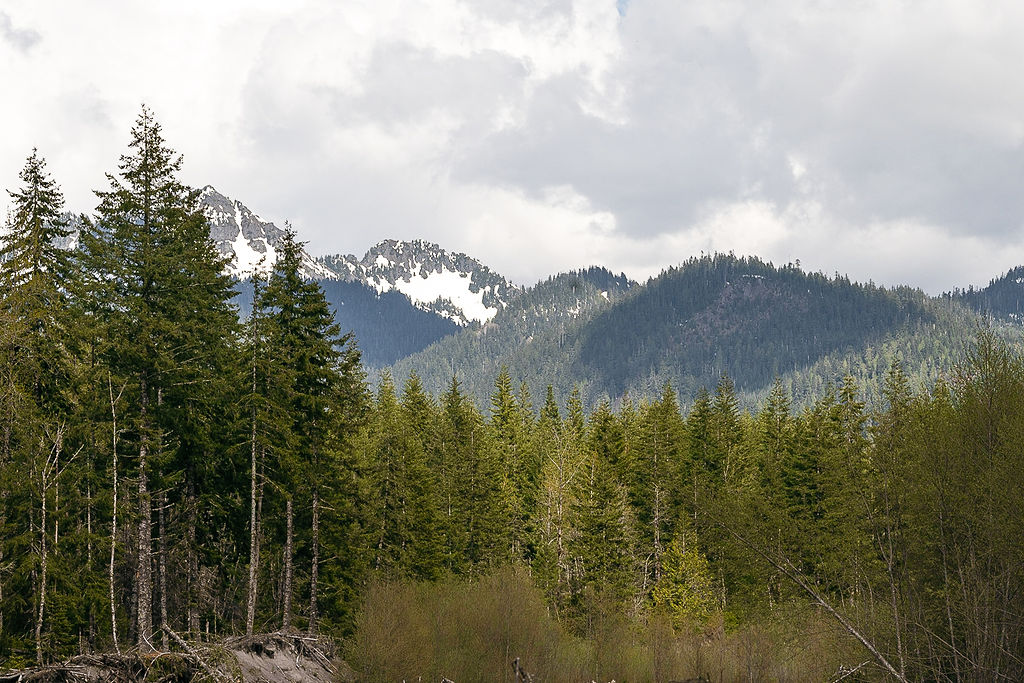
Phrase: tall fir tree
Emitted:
{"points": [[406, 528], [326, 399], [479, 518], [37, 350], [603, 544], [509, 425], [169, 326]]}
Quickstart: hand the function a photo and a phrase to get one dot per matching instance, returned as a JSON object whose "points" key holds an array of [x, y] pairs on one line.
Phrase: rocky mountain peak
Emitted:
{"points": [[250, 242], [452, 284]]}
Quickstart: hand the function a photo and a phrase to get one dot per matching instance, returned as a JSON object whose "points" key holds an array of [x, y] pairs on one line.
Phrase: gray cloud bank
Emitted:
{"points": [[881, 139]]}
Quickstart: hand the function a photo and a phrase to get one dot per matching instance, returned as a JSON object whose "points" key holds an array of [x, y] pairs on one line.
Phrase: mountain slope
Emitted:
{"points": [[714, 315], [386, 325], [1002, 298], [249, 242], [528, 336]]}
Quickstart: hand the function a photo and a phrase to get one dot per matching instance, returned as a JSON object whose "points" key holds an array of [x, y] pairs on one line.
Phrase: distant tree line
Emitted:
{"points": [[164, 462]]}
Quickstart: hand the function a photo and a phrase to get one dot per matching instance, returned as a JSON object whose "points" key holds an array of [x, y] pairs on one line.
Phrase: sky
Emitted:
{"points": [[880, 139]]}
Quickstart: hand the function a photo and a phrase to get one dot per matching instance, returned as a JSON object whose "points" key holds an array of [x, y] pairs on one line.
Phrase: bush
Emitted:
{"points": [[472, 630]]}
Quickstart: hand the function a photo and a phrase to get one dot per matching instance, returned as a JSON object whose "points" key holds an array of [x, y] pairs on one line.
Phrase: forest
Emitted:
{"points": [[166, 462], [714, 314]]}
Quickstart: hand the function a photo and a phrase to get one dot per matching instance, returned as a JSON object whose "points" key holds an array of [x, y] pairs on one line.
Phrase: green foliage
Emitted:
{"points": [[686, 587], [473, 630], [407, 524]]}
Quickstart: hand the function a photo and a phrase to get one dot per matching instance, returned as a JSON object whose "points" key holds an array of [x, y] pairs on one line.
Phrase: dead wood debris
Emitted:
{"points": [[280, 657]]}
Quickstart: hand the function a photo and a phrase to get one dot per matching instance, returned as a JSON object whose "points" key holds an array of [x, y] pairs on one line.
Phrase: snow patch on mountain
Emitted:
{"points": [[453, 285], [449, 285]]}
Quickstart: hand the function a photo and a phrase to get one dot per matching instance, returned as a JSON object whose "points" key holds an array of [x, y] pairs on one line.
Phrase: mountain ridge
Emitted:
{"points": [[452, 285], [714, 316]]}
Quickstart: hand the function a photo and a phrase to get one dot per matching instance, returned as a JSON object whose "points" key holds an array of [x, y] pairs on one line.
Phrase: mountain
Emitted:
{"points": [[529, 336], [415, 306], [711, 316], [1002, 299], [249, 242], [397, 299], [386, 325], [453, 285]]}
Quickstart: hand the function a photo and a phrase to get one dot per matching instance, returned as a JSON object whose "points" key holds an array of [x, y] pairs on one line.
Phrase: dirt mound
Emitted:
{"points": [[265, 658], [287, 658]]}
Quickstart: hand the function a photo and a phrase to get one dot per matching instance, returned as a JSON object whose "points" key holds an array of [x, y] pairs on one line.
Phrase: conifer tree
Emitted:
{"points": [[166, 304], [265, 410], [407, 526], [478, 528], [775, 437], [561, 446], [420, 412], [326, 404], [662, 445], [701, 470], [686, 587], [604, 543], [519, 474], [727, 433], [37, 279]]}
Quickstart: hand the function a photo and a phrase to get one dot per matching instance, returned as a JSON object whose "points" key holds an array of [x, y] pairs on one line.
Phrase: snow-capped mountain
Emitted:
{"points": [[453, 285], [247, 240]]}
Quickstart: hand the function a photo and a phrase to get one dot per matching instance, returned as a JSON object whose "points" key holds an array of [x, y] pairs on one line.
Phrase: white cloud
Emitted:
{"points": [[877, 138]]}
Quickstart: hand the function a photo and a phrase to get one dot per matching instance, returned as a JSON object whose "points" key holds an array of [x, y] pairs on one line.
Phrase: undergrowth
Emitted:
{"points": [[471, 630]]}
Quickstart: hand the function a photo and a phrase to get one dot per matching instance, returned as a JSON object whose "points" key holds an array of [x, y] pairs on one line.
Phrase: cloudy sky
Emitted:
{"points": [[877, 138]]}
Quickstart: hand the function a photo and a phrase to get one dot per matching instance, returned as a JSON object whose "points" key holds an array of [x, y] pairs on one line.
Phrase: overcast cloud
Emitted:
{"points": [[880, 139]]}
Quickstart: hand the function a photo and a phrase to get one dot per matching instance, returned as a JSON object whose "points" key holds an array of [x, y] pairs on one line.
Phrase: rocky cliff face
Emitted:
{"points": [[248, 241]]}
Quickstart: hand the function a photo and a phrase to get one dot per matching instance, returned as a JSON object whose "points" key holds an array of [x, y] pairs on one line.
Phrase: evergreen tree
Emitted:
{"points": [[686, 587], [326, 404], [38, 464], [407, 526], [700, 467], [519, 476], [651, 486], [776, 432], [169, 328], [478, 522], [604, 540], [726, 434]]}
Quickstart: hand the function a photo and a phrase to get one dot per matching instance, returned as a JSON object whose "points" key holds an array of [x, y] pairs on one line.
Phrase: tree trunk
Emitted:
{"points": [[286, 616], [163, 572], [254, 537], [191, 511], [113, 525], [42, 569], [144, 567], [315, 570], [1, 594]]}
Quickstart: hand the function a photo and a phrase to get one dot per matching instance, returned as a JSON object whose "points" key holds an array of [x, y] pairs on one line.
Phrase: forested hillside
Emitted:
{"points": [[713, 315], [1001, 298], [533, 337]]}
